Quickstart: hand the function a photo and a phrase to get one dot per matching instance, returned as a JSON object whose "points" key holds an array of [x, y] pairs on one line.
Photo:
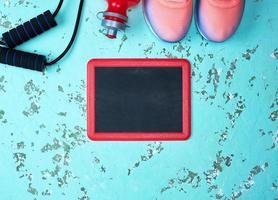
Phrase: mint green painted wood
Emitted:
{"points": [[232, 153]]}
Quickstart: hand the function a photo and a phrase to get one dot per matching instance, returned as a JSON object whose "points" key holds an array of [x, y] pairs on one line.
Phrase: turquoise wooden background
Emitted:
{"points": [[232, 154]]}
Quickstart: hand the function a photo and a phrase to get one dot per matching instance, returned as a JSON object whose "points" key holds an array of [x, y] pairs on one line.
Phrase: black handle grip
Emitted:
{"points": [[30, 29], [22, 59]]}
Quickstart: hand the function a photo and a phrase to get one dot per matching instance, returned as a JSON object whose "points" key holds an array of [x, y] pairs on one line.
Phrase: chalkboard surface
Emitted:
{"points": [[138, 99]]}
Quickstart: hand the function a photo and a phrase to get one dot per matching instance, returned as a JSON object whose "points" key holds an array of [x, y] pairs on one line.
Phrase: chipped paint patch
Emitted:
{"points": [[19, 160], [274, 55], [185, 178], [218, 166], [47, 155], [223, 135], [149, 49], [60, 88], [251, 81], [62, 114], [152, 150], [97, 163], [123, 40], [249, 52], [25, 3], [274, 107], [2, 113], [84, 195], [249, 182], [78, 97], [58, 174], [4, 22], [234, 115], [7, 3], [273, 135], [231, 72], [3, 82], [34, 94]]}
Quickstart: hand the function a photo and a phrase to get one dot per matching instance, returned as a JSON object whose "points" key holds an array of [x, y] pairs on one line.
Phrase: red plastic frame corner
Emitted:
{"points": [[142, 136]]}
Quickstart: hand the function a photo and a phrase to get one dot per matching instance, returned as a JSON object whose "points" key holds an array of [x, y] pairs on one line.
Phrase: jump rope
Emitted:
{"points": [[29, 30]]}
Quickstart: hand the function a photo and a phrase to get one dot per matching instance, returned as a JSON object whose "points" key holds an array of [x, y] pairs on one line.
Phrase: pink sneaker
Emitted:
{"points": [[217, 20], [168, 19]]}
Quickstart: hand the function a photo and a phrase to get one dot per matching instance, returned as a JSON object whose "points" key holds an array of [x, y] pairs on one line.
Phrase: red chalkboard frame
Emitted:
{"points": [[142, 136]]}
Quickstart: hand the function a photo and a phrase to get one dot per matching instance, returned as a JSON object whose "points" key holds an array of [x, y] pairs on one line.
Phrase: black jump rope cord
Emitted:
{"points": [[30, 60], [77, 22], [58, 8]]}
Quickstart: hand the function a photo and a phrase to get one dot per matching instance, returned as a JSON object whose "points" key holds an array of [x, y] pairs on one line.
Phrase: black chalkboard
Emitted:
{"points": [[138, 99]]}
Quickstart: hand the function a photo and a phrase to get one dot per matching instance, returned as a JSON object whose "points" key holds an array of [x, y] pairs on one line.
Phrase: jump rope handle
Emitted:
{"points": [[29, 29], [22, 59]]}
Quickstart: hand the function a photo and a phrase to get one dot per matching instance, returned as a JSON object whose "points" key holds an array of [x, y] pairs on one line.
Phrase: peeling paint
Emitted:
{"points": [[274, 55], [152, 150], [185, 177], [231, 154], [249, 52]]}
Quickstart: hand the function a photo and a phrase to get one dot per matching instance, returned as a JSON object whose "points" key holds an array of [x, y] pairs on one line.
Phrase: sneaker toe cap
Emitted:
{"points": [[218, 23], [168, 23]]}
